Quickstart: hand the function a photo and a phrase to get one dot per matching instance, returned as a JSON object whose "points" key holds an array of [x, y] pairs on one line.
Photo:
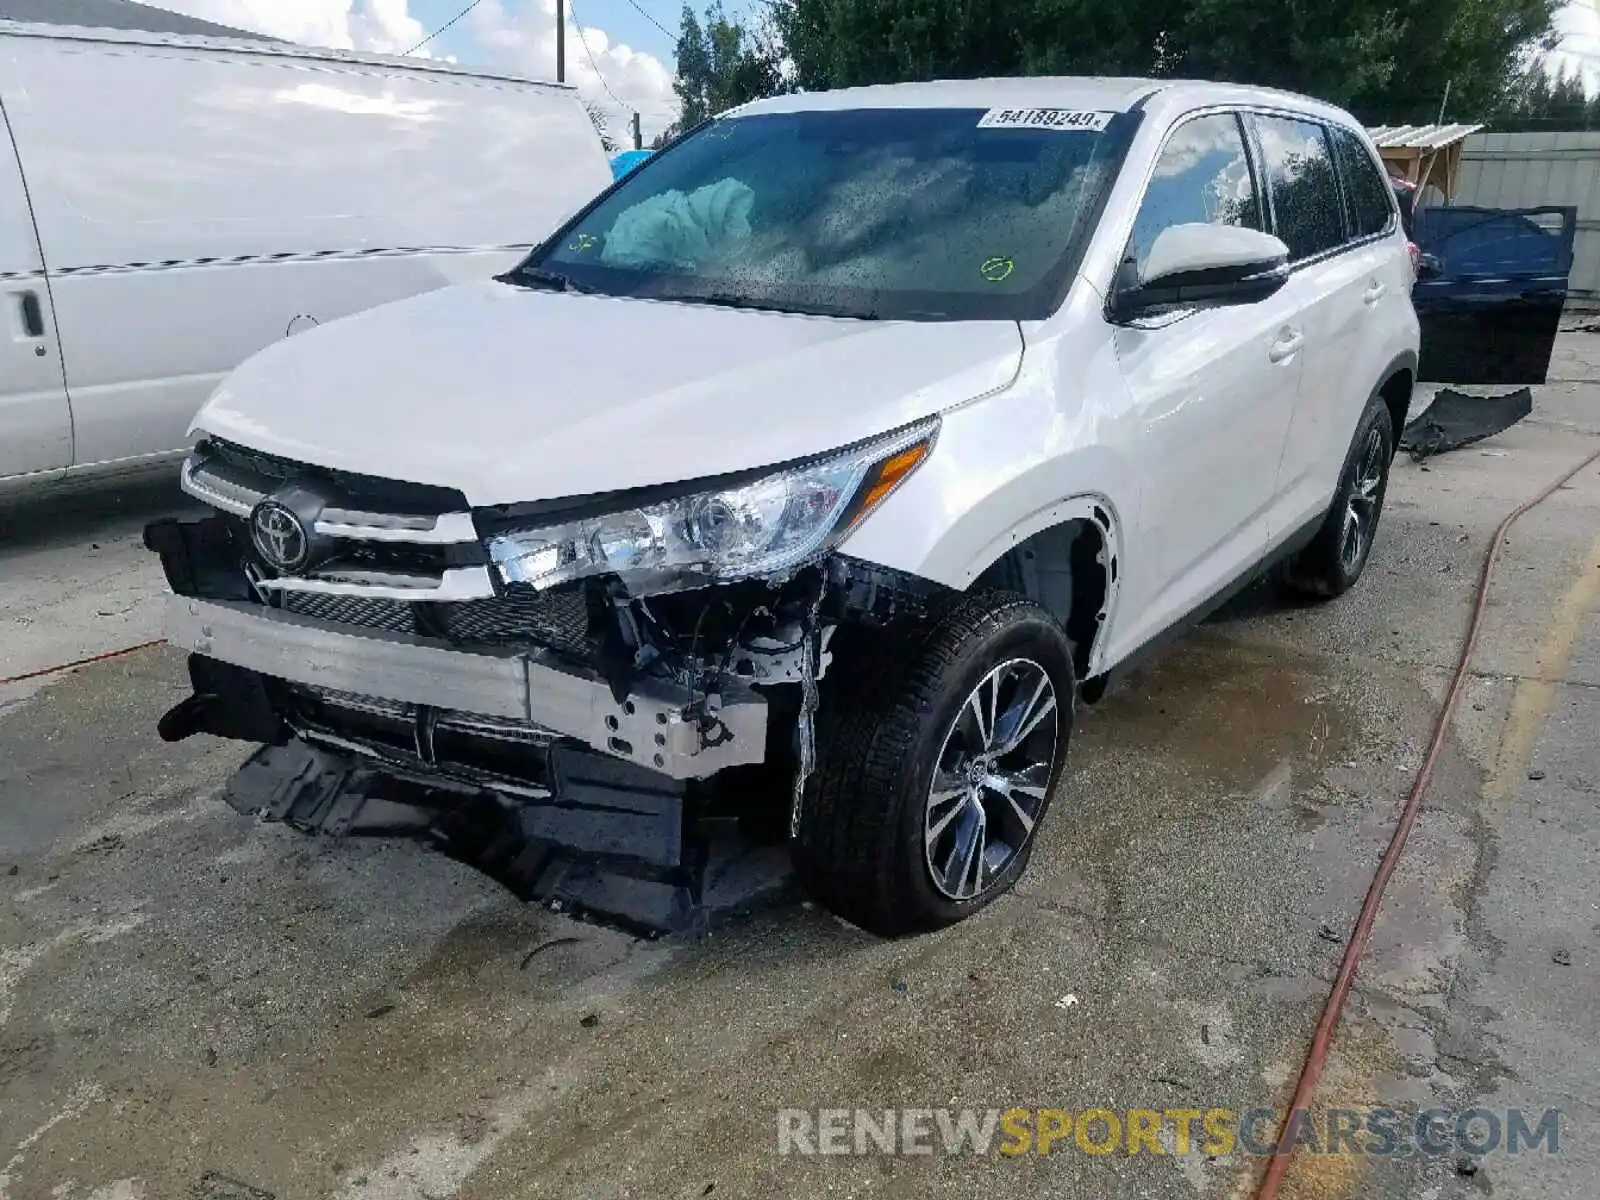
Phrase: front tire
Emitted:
{"points": [[938, 751], [1336, 557]]}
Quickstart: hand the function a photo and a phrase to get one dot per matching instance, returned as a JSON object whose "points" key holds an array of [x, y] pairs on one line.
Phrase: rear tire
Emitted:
{"points": [[938, 750], [1336, 557]]}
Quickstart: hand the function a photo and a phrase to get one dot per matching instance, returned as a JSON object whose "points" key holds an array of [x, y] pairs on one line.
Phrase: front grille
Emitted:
{"points": [[559, 620], [393, 615], [399, 541], [396, 558], [267, 472]]}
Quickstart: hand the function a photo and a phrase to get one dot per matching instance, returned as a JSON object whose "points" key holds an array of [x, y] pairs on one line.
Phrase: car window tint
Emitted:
{"points": [[1203, 175], [1371, 205], [1304, 188]]}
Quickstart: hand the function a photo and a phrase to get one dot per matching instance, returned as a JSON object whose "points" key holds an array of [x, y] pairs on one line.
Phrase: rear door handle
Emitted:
{"points": [[1374, 293], [32, 314], [1287, 345]]}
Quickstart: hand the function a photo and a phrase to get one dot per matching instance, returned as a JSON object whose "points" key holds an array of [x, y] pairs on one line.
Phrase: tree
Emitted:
{"points": [[1386, 62], [1539, 100], [1478, 48], [721, 64]]}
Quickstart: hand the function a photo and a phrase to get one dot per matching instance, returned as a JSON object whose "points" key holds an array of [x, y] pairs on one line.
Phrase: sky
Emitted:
{"points": [[628, 40], [630, 43], [1579, 54]]}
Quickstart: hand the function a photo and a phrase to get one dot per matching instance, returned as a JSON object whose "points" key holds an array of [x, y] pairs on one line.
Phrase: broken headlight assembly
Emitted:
{"points": [[760, 526]]}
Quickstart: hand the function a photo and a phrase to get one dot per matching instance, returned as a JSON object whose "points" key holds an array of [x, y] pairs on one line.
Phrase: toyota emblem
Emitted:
{"points": [[280, 537]]}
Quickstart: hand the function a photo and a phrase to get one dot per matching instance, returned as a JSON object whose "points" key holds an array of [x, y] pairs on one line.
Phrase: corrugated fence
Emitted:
{"points": [[1525, 170]]}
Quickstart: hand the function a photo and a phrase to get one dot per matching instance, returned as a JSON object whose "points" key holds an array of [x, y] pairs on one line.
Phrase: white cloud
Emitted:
{"points": [[1579, 51], [514, 35], [384, 26], [520, 35]]}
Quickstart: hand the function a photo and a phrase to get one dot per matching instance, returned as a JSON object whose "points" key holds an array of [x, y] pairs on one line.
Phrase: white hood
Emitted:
{"points": [[509, 394]]}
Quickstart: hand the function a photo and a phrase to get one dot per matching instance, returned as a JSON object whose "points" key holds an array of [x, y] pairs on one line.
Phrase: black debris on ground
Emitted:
{"points": [[1455, 419]]}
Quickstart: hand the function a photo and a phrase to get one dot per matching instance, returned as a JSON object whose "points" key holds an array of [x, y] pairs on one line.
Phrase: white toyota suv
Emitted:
{"points": [[834, 454]]}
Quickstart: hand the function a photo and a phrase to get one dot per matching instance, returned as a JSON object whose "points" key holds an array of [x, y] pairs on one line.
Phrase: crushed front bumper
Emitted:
{"points": [[657, 726]]}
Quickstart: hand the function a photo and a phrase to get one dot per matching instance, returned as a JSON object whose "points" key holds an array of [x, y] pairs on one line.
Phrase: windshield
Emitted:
{"points": [[921, 214]]}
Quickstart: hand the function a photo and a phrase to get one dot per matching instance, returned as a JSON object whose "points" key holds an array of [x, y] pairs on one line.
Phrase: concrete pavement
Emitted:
{"points": [[191, 1004]]}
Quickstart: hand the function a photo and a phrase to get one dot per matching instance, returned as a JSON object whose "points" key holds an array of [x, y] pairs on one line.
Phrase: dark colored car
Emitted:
{"points": [[1490, 286]]}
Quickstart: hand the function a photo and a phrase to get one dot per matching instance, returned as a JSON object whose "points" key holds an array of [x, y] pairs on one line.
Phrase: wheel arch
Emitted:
{"points": [[1068, 559], [1396, 385]]}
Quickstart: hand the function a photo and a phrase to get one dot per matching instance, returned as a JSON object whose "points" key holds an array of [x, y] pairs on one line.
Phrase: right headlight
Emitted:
{"points": [[763, 526]]}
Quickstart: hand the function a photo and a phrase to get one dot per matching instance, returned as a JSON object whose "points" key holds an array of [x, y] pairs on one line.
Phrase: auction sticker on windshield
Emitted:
{"points": [[1045, 118]]}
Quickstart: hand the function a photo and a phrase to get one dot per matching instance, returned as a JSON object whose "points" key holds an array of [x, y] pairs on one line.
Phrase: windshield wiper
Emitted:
{"points": [[539, 277]]}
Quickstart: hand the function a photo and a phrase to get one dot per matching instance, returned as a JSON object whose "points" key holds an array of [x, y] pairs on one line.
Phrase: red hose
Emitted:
{"points": [[82, 662], [1316, 1056]]}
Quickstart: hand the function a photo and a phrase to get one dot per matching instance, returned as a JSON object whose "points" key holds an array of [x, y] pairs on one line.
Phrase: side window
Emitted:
{"points": [[1203, 175], [1303, 184], [1367, 188]]}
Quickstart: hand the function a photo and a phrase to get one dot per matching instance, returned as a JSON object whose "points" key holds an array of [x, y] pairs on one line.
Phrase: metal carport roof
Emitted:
{"points": [[1420, 137], [1426, 155]]}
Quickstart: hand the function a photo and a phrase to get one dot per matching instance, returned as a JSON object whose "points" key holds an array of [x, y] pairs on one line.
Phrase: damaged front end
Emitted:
{"points": [[486, 677]]}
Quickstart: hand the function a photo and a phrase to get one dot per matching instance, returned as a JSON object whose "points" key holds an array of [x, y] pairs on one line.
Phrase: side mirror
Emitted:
{"points": [[1204, 266], [1429, 266]]}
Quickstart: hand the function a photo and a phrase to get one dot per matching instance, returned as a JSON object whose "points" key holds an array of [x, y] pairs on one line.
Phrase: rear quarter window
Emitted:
{"points": [[1367, 189], [1308, 213]]}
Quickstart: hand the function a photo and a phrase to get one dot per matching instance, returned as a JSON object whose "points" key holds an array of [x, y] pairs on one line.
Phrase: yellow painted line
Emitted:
{"points": [[1530, 703]]}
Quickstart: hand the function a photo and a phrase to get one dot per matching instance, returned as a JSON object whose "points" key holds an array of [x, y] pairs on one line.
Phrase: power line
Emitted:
{"points": [[588, 53], [445, 26], [653, 21]]}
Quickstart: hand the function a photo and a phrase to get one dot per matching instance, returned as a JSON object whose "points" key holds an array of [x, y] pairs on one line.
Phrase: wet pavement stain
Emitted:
{"points": [[1221, 746], [1228, 711]]}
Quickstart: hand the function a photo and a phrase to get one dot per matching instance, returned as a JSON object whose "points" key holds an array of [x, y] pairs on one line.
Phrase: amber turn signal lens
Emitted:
{"points": [[885, 477]]}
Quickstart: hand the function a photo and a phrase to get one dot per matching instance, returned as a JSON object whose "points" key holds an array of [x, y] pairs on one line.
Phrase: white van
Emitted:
{"points": [[171, 204]]}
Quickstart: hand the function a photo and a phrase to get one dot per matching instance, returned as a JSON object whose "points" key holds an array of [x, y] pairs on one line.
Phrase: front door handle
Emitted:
{"points": [[32, 315], [1374, 293], [1287, 346]]}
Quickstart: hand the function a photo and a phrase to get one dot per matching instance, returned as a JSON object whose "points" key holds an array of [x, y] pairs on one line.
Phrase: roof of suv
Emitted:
{"points": [[1075, 91]]}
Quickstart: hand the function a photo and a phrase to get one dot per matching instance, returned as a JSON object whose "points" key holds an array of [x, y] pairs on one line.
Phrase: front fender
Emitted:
{"points": [[1003, 469]]}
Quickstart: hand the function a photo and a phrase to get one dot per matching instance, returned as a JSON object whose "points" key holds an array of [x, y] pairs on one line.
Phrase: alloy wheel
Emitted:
{"points": [[992, 779], [1361, 509]]}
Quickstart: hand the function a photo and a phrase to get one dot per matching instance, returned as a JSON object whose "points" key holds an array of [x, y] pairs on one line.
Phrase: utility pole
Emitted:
{"points": [[561, 41], [638, 138]]}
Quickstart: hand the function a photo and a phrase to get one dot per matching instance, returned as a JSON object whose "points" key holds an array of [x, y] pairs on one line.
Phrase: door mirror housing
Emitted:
{"points": [[1429, 266], [1203, 266]]}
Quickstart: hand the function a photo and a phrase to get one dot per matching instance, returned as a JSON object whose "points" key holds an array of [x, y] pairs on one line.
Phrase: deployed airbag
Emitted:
{"points": [[680, 229]]}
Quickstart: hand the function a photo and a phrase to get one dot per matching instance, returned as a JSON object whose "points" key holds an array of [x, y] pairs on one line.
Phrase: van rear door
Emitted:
{"points": [[1492, 287], [35, 420]]}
